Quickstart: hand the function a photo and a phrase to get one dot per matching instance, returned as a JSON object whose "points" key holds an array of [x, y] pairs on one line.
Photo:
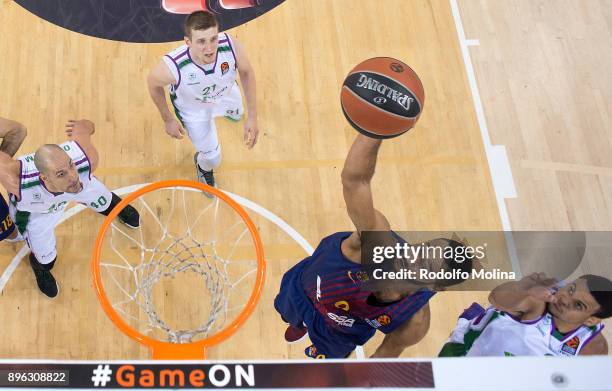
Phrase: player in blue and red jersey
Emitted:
{"points": [[328, 295]]}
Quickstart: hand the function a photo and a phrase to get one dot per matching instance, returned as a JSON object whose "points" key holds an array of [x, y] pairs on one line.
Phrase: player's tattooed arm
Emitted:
{"points": [[408, 334], [12, 133], [247, 79], [525, 299], [357, 176], [158, 78], [81, 132], [9, 173]]}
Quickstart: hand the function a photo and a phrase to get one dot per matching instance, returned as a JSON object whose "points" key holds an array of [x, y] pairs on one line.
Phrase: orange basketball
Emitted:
{"points": [[382, 97]]}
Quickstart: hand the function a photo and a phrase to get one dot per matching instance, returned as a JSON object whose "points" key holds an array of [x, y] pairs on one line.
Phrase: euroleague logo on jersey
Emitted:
{"points": [[224, 68], [142, 20], [571, 346], [384, 319]]}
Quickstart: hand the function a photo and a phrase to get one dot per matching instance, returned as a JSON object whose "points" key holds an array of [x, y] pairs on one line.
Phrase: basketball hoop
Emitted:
{"points": [[197, 252]]}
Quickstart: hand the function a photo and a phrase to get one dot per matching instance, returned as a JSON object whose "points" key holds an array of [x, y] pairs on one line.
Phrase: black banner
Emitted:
{"points": [[480, 261], [316, 374]]}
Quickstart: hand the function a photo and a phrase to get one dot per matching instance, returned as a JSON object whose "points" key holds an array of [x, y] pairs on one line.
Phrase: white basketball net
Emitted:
{"points": [[138, 263]]}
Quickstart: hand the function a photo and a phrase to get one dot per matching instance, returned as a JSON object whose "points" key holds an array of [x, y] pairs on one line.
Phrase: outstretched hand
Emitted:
{"points": [[76, 128], [174, 129], [250, 133], [542, 287]]}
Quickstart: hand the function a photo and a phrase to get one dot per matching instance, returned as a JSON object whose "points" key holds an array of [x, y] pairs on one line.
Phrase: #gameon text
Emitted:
{"points": [[218, 376], [411, 253]]}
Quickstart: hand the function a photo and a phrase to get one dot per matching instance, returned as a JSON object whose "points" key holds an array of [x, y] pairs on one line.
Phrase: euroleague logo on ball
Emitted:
{"points": [[380, 100]]}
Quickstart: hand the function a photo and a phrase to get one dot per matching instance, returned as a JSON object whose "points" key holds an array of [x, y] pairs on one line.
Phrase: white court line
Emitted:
{"points": [[497, 158], [289, 230], [8, 272]]}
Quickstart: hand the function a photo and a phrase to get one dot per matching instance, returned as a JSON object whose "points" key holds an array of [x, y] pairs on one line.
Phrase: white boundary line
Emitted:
{"points": [[289, 230], [497, 158]]}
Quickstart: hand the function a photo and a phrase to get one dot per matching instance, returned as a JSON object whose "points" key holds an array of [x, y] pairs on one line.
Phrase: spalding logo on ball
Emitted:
{"points": [[382, 97]]}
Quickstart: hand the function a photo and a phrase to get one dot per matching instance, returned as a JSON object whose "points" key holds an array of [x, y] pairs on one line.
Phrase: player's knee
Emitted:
{"points": [[115, 199], [128, 215], [13, 235], [209, 160], [7, 227]]}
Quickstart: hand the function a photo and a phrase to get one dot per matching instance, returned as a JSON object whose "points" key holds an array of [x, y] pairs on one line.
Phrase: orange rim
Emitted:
{"points": [[166, 350]]}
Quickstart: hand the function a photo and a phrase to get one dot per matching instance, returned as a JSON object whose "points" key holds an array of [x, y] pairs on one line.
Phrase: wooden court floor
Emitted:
{"points": [[434, 178]]}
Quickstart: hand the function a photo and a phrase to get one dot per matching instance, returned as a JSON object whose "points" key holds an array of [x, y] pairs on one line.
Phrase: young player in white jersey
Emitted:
{"points": [[40, 187], [12, 134], [202, 78], [534, 317]]}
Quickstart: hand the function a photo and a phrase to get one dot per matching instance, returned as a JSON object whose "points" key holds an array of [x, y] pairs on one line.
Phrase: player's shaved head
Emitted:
{"points": [[46, 157]]}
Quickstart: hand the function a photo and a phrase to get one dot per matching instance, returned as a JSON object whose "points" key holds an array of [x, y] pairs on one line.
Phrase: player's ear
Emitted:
{"points": [[591, 321]]}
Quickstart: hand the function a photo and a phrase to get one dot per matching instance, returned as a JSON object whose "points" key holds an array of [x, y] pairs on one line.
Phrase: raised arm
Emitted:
{"points": [[525, 299], [247, 79], [12, 133], [81, 132], [158, 79], [408, 334], [357, 176], [9, 173]]}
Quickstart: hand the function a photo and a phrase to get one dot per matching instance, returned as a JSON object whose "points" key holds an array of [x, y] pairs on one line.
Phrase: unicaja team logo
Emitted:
{"points": [[142, 20]]}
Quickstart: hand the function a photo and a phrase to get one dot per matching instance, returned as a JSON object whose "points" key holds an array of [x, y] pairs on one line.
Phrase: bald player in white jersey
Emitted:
{"points": [[202, 79], [40, 187]]}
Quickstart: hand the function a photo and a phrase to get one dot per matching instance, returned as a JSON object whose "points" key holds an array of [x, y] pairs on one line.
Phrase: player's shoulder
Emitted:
{"points": [[178, 54], [336, 237], [71, 148], [597, 345], [227, 43], [224, 38], [76, 153]]}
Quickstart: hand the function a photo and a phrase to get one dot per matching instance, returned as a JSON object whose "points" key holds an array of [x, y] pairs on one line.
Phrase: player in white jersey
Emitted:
{"points": [[40, 187], [202, 79], [12, 134], [535, 317]]}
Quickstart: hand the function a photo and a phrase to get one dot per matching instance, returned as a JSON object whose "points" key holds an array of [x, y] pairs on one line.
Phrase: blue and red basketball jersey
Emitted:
{"points": [[327, 287]]}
